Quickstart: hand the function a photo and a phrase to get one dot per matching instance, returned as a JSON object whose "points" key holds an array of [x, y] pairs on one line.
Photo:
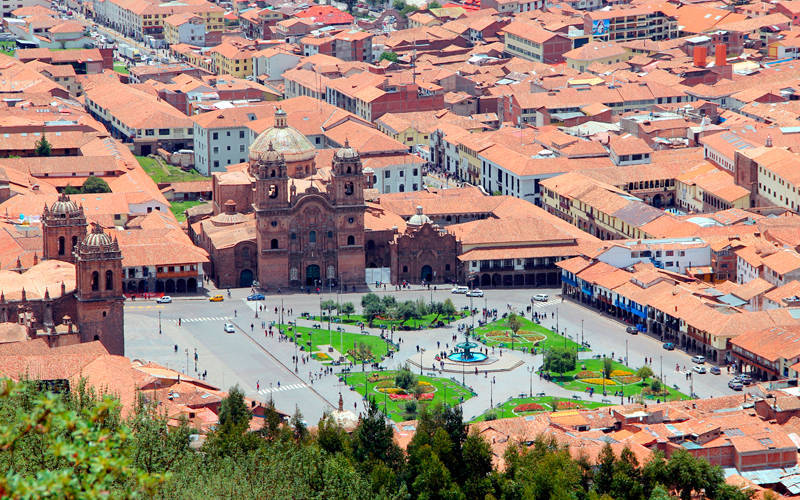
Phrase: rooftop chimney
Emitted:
{"points": [[700, 57], [720, 55], [768, 142]]}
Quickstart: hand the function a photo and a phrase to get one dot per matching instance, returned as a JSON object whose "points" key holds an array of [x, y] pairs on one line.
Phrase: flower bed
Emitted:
{"points": [[628, 379], [321, 356], [397, 397], [587, 374], [647, 391], [531, 337], [528, 407], [620, 373], [567, 405], [391, 390], [598, 381], [428, 396], [386, 383]]}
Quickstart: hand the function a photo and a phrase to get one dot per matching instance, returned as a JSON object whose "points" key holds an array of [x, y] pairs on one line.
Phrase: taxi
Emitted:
{"points": [[216, 298]]}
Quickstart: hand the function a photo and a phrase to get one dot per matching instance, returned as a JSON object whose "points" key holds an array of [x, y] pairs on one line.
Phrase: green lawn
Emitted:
{"points": [[424, 322], [446, 391], [178, 208], [548, 403], [120, 68], [8, 48], [319, 336], [162, 173], [568, 381], [497, 333]]}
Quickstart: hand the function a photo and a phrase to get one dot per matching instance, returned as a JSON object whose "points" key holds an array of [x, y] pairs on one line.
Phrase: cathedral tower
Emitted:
{"points": [[63, 227], [98, 290]]}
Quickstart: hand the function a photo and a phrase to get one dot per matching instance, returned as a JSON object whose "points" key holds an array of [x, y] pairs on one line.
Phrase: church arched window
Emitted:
{"points": [[60, 245], [273, 244], [312, 237], [109, 280], [351, 240], [95, 281], [348, 188], [273, 191], [74, 242]]}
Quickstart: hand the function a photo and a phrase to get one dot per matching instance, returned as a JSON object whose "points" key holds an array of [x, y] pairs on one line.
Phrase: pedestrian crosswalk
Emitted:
{"points": [[203, 318], [145, 307], [290, 387]]}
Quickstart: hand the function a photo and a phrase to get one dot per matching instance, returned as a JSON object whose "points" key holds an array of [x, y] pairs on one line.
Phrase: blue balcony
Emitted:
{"points": [[586, 291], [569, 281]]}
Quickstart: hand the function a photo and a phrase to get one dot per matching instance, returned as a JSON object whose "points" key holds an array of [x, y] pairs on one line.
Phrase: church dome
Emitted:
{"points": [[97, 237], [347, 152], [419, 218], [284, 140], [63, 206]]}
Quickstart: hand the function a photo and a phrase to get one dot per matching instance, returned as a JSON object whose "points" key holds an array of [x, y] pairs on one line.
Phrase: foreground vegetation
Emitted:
{"points": [[162, 173], [78, 446]]}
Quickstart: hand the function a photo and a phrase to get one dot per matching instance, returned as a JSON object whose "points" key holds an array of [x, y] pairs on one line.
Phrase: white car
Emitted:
{"points": [[699, 359], [229, 328], [475, 293], [459, 289], [166, 299], [699, 369], [541, 297]]}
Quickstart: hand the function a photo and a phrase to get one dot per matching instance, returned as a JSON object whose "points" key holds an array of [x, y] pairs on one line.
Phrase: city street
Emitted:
{"points": [[259, 364]]}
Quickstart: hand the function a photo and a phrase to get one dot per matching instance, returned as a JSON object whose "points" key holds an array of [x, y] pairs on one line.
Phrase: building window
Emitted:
{"points": [[109, 280], [273, 244], [215, 136], [312, 237], [95, 281], [387, 174], [60, 245], [241, 134], [351, 240], [405, 269]]}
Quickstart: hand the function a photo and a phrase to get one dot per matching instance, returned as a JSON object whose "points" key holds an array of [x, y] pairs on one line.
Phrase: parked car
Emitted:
{"points": [[216, 298], [745, 379], [256, 296], [541, 297], [459, 289], [166, 299], [229, 328], [669, 346], [698, 359], [735, 384], [475, 293], [699, 369], [632, 330], [715, 370]]}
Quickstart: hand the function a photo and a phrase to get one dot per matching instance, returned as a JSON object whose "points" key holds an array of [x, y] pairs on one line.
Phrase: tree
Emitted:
{"points": [[373, 441], [42, 147], [514, 323], [608, 367], [272, 421], [299, 428], [373, 306], [389, 56], [434, 5], [644, 373], [347, 308], [407, 310], [560, 359], [477, 459], [71, 190], [405, 379], [655, 386], [234, 417], [328, 305], [95, 185], [605, 469], [448, 308]]}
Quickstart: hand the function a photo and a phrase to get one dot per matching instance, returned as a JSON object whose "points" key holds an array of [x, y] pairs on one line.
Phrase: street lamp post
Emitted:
{"points": [[187, 359], [581, 333], [491, 393], [159, 322], [421, 350]]}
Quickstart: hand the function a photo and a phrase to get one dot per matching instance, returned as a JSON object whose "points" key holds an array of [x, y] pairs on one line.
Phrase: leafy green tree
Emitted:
{"points": [[656, 386], [372, 306], [608, 367], [155, 448], [331, 437], [434, 5], [234, 416], [71, 190], [477, 459], [328, 305], [299, 427], [644, 372], [626, 483], [42, 147], [605, 469], [434, 480], [389, 56], [272, 421], [405, 379], [543, 470], [95, 185], [659, 493], [559, 359], [373, 441], [347, 308], [448, 308], [514, 324], [62, 448], [407, 310]]}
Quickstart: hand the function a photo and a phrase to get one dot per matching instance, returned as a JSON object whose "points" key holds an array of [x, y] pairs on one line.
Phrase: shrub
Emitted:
{"points": [[405, 379], [528, 407], [620, 373], [598, 381]]}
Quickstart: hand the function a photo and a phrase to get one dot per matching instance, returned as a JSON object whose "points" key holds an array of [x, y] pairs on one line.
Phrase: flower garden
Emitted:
{"points": [[356, 346], [588, 377], [497, 334], [394, 400], [520, 407]]}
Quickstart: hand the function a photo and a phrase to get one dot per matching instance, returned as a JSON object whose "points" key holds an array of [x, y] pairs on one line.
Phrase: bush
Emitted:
{"points": [[655, 385], [528, 407], [490, 415]]}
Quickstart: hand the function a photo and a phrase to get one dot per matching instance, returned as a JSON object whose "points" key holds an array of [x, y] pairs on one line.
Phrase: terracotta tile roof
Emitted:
{"points": [[783, 261]]}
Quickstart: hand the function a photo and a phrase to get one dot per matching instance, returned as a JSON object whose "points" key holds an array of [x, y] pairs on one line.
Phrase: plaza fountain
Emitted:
{"points": [[464, 352]]}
